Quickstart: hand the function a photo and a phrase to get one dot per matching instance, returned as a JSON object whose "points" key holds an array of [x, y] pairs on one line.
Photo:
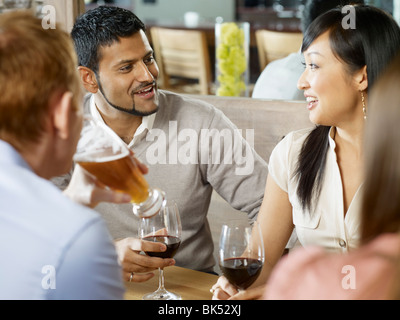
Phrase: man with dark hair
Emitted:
{"points": [[190, 147], [279, 78]]}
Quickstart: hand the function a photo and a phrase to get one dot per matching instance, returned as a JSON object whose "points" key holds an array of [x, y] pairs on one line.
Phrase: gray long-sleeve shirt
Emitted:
{"points": [[192, 149]]}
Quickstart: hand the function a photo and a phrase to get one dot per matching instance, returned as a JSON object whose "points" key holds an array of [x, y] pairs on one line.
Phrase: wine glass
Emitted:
{"points": [[164, 227], [241, 253]]}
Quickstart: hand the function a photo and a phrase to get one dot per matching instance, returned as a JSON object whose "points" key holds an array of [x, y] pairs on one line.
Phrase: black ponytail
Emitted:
{"points": [[311, 165]]}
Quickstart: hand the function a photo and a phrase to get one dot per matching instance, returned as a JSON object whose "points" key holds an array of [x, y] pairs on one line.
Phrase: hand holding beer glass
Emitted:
{"points": [[104, 155]]}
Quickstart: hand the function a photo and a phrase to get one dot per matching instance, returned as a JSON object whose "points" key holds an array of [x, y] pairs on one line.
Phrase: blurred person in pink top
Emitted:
{"points": [[372, 271]]}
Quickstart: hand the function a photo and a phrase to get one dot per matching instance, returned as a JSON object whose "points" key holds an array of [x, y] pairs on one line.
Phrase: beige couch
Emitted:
{"points": [[271, 121]]}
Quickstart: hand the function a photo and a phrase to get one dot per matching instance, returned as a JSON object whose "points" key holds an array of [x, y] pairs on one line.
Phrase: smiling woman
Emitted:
{"points": [[373, 270], [316, 176], [332, 93], [356, 50]]}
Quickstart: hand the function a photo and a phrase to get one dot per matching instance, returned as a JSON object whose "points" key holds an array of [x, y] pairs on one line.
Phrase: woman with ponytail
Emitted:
{"points": [[316, 175]]}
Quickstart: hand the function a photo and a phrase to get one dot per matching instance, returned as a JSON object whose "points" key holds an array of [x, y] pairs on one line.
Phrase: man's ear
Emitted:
{"points": [[361, 79], [62, 109], [88, 79]]}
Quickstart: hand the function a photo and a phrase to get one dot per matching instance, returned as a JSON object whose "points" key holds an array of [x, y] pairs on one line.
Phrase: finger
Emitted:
{"points": [[214, 287], [107, 195], [127, 244], [161, 232], [250, 294], [151, 246], [143, 245], [142, 277], [143, 168], [138, 277], [242, 295], [128, 250], [135, 262], [226, 286], [223, 289], [220, 294]]}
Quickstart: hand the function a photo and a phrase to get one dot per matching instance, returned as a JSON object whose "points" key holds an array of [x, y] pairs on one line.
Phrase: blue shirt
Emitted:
{"points": [[50, 247]]}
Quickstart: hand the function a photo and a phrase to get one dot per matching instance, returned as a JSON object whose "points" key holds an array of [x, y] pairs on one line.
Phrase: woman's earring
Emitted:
{"points": [[363, 105]]}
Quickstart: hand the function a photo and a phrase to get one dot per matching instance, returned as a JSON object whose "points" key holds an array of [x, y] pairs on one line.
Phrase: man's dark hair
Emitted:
{"points": [[314, 8], [101, 27]]}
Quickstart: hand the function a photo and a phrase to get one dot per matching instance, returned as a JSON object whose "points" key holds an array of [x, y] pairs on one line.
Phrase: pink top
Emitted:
{"points": [[312, 273]]}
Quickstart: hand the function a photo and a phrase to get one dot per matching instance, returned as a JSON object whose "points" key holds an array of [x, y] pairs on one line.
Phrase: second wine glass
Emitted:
{"points": [[241, 253], [164, 227]]}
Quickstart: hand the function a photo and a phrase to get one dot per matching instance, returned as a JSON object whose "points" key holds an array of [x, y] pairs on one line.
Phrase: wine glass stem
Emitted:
{"points": [[161, 279]]}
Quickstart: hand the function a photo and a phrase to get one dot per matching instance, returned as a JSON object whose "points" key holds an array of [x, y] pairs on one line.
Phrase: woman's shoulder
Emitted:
{"points": [[290, 145], [298, 136], [283, 159]]}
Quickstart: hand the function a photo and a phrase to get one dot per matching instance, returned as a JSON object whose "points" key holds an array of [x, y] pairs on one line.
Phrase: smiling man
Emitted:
{"points": [[131, 55], [118, 69]]}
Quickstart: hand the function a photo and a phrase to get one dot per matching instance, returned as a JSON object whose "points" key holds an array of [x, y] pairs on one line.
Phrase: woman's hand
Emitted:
{"points": [[223, 289], [250, 294]]}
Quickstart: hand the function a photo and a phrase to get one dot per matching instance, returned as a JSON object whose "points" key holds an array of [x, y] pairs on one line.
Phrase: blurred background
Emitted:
{"points": [[249, 10], [277, 15], [282, 16]]}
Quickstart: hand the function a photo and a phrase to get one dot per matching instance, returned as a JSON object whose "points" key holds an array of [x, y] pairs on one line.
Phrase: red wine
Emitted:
{"points": [[171, 242], [241, 272]]}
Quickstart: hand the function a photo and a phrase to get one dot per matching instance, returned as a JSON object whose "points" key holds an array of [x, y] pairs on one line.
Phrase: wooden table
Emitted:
{"points": [[189, 284]]}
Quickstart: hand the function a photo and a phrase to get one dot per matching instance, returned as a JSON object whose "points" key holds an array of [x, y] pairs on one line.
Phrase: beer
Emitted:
{"points": [[119, 173], [103, 154]]}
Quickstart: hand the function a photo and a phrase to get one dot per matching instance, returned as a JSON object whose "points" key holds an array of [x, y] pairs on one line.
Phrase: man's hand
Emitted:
{"points": [[136, 266]]}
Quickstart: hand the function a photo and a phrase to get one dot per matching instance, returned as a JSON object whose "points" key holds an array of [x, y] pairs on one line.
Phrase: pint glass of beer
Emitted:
{"points": [[104, 155]]}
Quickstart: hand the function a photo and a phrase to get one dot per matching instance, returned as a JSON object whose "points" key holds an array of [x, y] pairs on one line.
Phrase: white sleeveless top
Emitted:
{"points": [[327, 225]]}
